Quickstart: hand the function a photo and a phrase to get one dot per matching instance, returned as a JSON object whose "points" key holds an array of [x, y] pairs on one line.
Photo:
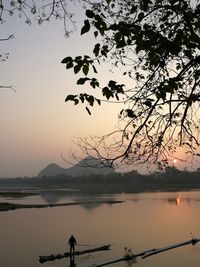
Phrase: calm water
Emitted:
{"points": [[143, 221]]}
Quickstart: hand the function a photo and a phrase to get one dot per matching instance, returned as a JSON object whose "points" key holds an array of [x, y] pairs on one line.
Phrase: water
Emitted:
{"points": [[143, 221]]}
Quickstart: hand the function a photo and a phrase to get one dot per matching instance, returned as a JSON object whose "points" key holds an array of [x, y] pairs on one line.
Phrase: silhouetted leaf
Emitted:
{"points": [[76, 101], [98, 101], [88, 110], [94, 69], [82, 80], [82, 98], [96, 49], [86, 27], [133, 9], [94, 83], [148, 103], [85, 69], [66, 60], [130, 113], [95, 33], [70, 97], [107, 92], [90, 99], [69, 65], [77, 68], [89, 13]]}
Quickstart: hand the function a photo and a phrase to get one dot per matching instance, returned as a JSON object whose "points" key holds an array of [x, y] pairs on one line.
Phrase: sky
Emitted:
{"points": [[36, 125]]}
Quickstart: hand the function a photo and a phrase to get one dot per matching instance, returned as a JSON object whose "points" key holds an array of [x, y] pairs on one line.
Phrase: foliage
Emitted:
{"points": [[156, 43]]}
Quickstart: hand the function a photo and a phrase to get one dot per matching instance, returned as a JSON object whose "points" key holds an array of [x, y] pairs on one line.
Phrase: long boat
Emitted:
{"points": [[150, 252], [52, 257]]}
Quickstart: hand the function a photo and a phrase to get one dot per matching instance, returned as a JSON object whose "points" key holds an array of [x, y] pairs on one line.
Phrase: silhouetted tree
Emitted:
{"points": [[156, 44]]}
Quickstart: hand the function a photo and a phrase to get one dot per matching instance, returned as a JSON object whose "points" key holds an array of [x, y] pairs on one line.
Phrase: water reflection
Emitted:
{"points": [[178, 200], [175, 200], [57, 196], [144, 221], [53, 197], [72, 262]]}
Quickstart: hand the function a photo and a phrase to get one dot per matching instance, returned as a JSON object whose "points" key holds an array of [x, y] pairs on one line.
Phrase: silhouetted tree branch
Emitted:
{"points": [[39, 11], [156, 44]]}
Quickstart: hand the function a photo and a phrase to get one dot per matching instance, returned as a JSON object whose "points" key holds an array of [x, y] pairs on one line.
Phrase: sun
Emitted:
{"points": [[174, 161]]}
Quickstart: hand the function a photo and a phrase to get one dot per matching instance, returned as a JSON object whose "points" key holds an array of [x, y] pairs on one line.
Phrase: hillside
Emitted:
{"points": [[85, 167]]}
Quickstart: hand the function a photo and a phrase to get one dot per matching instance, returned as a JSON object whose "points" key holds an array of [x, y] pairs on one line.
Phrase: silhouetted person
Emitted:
{"points": [[72, 243]]}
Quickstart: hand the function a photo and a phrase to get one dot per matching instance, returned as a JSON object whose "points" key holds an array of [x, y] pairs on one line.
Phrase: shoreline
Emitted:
{"points": [[6, 206]]}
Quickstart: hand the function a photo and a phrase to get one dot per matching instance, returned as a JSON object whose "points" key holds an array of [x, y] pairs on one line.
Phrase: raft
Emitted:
{"points": [[52, 257]]}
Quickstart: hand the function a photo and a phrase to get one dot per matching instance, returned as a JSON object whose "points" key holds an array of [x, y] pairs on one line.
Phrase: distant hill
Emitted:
{"points": [[85, 167], [52, 170]]}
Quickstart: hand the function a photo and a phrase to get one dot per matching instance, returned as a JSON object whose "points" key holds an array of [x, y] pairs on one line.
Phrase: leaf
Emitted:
{"points": [[112, 83], [70, 98], [82, 80], [82, 98], [85, 69], [77, 68], [133, 9], [89, 13], [86, 27], [96, 50], [100, 24], [76, 101], [130, 113], [90, 100], [66, 60], [77, 59], [94, 83], [148, 103], [88, 110], [95, 34], [94, 69], [121, 112], [140, 16], [107, 92], [98, 101], [69, 65], [104, 50]]}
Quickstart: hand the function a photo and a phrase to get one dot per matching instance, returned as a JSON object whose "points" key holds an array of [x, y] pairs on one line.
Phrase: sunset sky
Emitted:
{"points": [[36, 123]]}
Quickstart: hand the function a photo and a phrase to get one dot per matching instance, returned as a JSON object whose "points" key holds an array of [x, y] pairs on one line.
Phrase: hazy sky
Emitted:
{"points": [[36, 124]]}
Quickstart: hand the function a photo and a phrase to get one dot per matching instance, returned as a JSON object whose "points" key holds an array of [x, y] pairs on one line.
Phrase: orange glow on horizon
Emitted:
{"points": [[178, 200]]}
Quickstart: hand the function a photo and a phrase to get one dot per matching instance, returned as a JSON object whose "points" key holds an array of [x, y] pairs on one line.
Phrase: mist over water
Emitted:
{"points": [[143, 221]]}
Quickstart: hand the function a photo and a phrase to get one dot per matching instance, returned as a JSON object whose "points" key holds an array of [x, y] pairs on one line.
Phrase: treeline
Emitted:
{"points": [[171, 179]]}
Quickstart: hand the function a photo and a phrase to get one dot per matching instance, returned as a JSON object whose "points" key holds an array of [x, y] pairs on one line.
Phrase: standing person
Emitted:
{"points": [[72, 243]]}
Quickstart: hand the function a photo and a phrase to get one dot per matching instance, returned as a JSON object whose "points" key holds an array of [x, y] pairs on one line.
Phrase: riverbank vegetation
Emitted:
{"points": [[130, 182]]}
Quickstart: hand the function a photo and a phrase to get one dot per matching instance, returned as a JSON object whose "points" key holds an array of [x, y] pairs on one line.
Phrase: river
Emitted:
{"points": [[143, 221]]}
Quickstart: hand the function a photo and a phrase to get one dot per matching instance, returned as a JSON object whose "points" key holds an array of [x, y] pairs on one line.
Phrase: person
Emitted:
{"points": [[72, 243]]}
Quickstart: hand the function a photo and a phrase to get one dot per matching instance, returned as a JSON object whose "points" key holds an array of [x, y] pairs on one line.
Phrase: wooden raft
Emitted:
{"points": [[150, 252], [52, 257]]}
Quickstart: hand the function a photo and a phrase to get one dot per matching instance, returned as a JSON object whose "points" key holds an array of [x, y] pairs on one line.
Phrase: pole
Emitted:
{"points": [[82, 245], [150, 252], [193, 241]]}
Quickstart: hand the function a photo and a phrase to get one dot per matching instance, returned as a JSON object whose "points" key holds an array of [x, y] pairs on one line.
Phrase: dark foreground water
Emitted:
{"points": [[143, 221]]}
